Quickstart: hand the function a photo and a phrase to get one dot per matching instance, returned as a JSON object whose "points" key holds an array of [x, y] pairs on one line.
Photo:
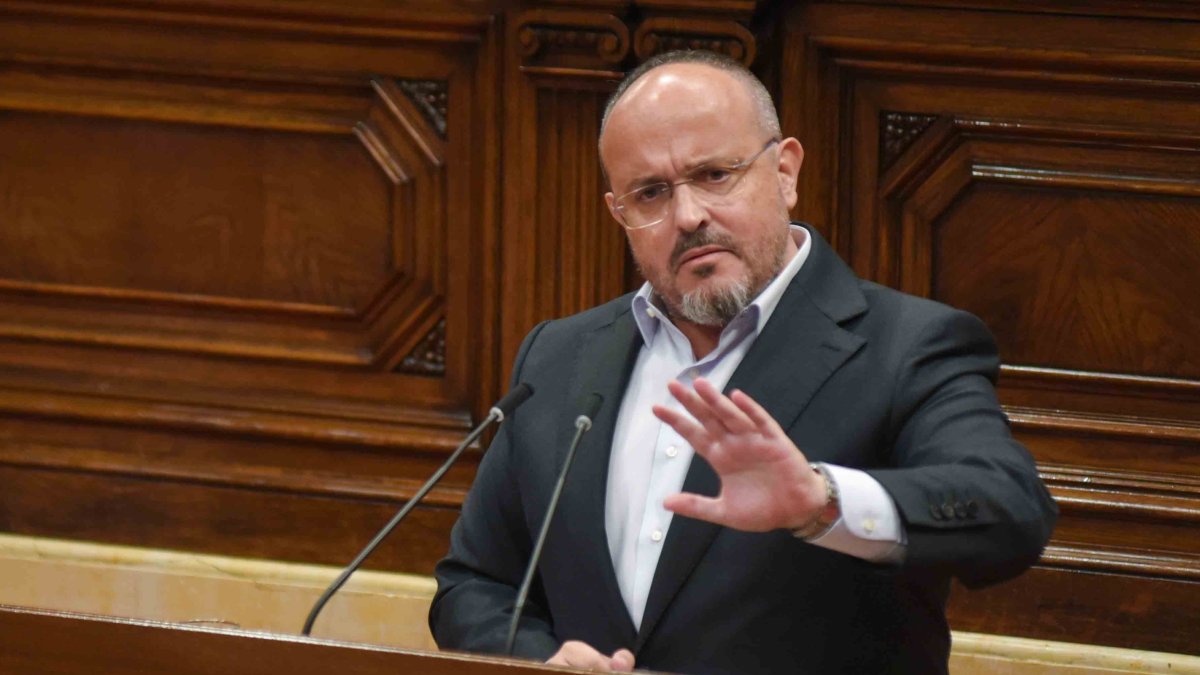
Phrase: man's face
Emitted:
{"points": [[711, 254]]}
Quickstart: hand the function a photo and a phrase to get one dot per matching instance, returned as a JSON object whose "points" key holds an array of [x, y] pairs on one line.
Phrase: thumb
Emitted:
{"points": [[694, 506], [622, 661]]}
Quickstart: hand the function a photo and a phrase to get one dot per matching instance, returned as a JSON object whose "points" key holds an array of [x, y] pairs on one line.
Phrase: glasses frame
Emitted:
{"points": [[738, 168]]}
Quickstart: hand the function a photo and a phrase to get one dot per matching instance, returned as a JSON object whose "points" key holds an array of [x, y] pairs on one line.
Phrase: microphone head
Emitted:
{"points": [[512, 400], [591, 406]]}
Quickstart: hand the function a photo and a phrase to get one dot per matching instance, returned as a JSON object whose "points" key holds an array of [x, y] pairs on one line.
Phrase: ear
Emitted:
{"points": [[611, 201], [791, 157]]}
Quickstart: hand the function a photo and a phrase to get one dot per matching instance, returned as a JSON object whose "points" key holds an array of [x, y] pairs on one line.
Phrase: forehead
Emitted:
{"points": [[675, 117]]}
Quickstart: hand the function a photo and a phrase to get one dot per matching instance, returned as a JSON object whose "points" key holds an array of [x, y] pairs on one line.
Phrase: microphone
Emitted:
{"points": [[503, 408], [582, 423]]}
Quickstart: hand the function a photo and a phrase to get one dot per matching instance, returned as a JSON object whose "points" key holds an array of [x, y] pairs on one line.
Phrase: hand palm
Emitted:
{"points": [[765, 479]]}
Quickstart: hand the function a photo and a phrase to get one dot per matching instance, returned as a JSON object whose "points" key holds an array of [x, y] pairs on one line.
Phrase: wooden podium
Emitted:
{"points": [[37, 641]]}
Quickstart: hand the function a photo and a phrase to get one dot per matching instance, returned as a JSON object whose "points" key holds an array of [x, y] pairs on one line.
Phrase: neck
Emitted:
{"points": [[703, 339]]}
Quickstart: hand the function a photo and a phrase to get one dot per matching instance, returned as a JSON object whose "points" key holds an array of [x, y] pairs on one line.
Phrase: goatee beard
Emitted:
{"points": [[716, 307], [720, 305]]}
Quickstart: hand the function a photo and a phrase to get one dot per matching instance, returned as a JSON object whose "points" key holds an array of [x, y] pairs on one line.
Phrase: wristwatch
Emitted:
{"points": [[828, 516]]}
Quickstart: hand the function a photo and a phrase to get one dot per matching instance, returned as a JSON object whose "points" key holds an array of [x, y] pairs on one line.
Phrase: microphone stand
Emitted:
{"points": [[504, 407], [582, 424]]}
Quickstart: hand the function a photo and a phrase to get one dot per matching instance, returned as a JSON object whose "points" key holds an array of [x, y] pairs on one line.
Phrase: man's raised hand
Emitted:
{"points": [[766, 482]]}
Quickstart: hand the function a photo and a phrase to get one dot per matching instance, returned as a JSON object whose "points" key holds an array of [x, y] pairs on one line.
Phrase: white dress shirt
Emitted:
{"points": [[650, 460]]}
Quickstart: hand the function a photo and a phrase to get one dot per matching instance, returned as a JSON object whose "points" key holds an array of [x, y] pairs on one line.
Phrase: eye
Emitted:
{"points": [[715, 175], [651, 193]]}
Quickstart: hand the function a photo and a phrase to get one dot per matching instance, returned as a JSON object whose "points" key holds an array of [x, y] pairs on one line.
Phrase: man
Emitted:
{"points": [[809, 519]]}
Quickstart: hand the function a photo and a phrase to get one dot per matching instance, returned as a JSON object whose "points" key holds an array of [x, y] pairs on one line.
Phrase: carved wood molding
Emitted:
{"points": [[1164, 9], [1107, 560], [898, 131], [662, 34], [342, 483], [402, 135], [549, 38], [271, 17], [951, 159], [1170, 485], [432, 97], [571, 39], [429, 356], [940, 166], [1043, 67], [1170, 502], [1146, 507], [1162, 388], [231, 414]]}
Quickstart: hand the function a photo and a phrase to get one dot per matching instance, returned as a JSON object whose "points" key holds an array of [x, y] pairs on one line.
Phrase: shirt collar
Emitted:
{"points": [[649, 317]]}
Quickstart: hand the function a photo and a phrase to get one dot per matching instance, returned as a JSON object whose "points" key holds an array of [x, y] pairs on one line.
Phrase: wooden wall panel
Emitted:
{"points": [[241, 269], [262, 262], [1035, 169], [562, 251], [287, 218]]}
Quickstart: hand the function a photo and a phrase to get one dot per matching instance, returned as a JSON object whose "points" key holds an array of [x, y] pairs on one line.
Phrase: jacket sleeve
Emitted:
{"points": [[969, 494], [489, 549]]}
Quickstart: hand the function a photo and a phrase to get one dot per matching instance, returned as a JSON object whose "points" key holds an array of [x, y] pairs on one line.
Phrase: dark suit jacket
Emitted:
{"points": [[858, 375]]}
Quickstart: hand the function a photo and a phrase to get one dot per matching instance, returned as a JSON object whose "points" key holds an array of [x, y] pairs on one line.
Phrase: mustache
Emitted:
{"points": [[698, 238]]}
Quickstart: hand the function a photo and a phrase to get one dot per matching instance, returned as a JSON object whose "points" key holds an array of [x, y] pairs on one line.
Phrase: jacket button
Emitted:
{"points": [[948, 510]]}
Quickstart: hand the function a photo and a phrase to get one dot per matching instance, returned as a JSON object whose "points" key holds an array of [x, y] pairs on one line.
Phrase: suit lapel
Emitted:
{"points": [[798, 349], [606, 359]]}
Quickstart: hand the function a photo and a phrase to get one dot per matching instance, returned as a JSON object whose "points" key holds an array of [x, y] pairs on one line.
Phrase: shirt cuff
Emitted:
{"points": [[870, 527]]}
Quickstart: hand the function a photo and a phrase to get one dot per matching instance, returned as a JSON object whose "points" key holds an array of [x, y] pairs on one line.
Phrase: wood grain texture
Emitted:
{"points": [[244, 270], [61, 642], [1097, 608], [562, 251], [1035, 168], [263, 262]]}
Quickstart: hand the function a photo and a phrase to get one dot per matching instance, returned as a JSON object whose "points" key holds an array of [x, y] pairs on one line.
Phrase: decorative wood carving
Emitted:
{"points": [[432, 97], [571, 39], [429, 356], [662, 34], [897, 131]]}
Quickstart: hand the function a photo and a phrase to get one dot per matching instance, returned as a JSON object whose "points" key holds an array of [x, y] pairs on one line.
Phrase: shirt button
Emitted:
{"points": [[868, 525], [672, 451], [656, 536]]}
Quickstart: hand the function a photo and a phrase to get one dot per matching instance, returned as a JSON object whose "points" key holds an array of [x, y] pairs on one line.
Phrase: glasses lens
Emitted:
{"points": [[646, 205], [649, 204]]}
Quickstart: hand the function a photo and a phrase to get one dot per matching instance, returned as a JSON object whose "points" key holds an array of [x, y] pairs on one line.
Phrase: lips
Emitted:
{"points": [[699, 252]]}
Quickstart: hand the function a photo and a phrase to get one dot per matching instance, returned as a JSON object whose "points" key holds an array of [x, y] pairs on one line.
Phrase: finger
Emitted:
{"points": [[622, 661], [695, 405], [694, 506], [580, 655], [696, 435], [732, 417], [758, 416]]}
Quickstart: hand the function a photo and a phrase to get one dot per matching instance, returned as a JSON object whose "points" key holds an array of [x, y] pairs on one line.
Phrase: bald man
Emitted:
{"points": [[791, 463]]}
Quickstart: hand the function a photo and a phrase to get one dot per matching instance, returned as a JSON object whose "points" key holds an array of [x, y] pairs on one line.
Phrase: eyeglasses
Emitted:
{"points": [[650, 204]]}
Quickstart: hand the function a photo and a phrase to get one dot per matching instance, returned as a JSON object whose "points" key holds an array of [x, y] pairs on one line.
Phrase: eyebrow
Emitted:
{"points": [[689, 169]]}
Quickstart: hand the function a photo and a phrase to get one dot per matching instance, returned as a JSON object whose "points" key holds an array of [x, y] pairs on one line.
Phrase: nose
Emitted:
{"points": [[688, 211]]}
